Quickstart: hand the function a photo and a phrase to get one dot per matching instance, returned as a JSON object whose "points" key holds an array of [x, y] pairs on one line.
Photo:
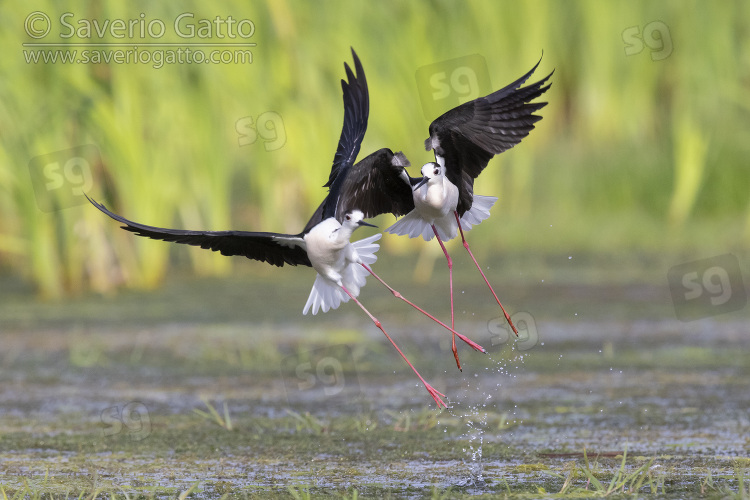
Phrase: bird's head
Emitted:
{"points": [[431, 171], [355, 219]]}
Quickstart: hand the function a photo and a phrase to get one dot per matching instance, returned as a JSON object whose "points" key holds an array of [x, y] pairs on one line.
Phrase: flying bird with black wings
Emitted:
{"points": [[441, 203], [324, 244]]}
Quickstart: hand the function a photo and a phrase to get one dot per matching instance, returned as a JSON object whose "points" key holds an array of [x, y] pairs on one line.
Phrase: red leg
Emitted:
{"points": [[434, 393], [466, 246], [450, 281], [396, 294]]}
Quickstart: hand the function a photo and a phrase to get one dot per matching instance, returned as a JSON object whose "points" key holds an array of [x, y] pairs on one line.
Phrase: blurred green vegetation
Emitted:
{"points": [[642, 147]]}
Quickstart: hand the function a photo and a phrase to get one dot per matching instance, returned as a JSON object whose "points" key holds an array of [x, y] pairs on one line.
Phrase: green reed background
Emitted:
{"points": [[635, 153]]}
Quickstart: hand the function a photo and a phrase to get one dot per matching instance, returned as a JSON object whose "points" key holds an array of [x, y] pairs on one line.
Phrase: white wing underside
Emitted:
{"points": [[327, 295], [414, 226]]}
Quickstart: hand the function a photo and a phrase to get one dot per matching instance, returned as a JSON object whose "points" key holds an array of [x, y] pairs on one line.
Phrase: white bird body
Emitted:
{"points": [[337, 261], [324, 243], [436, 198], [435, 202]]}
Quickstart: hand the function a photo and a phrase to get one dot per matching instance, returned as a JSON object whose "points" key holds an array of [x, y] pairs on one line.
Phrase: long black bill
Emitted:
{"points": [[363, 223], [420, 183]]}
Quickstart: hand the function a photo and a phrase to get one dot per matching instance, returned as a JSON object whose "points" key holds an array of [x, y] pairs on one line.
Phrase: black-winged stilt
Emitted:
{"points": [[324, 244], [369, 186], [464, 139]]}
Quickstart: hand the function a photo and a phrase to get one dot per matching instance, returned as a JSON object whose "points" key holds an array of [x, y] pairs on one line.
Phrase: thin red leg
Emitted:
{"points": [[466, 246], [450, 280], [436, 395], [398, 295]]}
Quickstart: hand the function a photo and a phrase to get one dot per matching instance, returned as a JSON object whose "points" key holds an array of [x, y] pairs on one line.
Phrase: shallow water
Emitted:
{"points": [[101, 392]]}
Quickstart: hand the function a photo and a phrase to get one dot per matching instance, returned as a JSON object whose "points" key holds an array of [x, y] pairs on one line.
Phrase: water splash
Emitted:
{"points": [[476, 421]]}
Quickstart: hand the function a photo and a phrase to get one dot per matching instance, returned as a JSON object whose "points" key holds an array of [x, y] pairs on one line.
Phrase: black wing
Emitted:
{"points": [[356, 113], [469, 135], [377, 184], [274, 248]]}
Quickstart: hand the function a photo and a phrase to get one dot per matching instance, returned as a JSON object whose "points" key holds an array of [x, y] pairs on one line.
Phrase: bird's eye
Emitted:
{"points": [[348, 217], [436, 171]]}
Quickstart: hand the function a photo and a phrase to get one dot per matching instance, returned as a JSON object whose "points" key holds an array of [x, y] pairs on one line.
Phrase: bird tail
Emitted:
{"points": [[354, 274], [480, 210], [326, 295], [366, 249], [413, 226]]}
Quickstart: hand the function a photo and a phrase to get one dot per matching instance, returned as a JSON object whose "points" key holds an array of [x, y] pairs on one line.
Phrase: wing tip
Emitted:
{"points": [[400, 160], [357, 63], [94, 202], [431, 142], [357, 77]]}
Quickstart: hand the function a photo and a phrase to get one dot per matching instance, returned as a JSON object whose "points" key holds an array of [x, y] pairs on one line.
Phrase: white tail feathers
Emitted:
{"points": [[327, 295], [324, 295], [414, 226], [480, 210], [366, 249]]}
